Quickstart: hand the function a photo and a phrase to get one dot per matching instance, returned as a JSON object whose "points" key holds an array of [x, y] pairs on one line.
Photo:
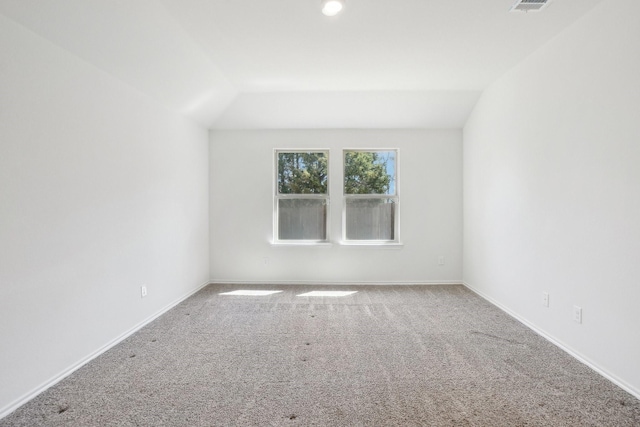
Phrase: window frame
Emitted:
{"points": [[395, 197], [277, 196]]}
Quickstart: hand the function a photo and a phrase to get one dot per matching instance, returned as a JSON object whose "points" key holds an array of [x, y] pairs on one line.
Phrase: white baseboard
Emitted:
{"points": [[331, 283], [62, 375], [57, 378], [564, 347]]}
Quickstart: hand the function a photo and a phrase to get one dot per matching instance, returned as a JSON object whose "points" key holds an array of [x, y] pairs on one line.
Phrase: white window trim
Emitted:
{"points": [[396, 197], [277, 196]]}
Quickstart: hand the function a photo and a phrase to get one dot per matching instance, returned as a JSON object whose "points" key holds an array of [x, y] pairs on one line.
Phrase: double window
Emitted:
{"points": [[370, 196]]}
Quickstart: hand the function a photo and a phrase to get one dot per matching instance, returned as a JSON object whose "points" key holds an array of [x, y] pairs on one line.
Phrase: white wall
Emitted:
{"points": [[101, 191], [430, 187], [552, 190]]}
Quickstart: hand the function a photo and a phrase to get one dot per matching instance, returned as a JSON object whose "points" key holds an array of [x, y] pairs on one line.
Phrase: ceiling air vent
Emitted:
{"points": [[529, 5]]}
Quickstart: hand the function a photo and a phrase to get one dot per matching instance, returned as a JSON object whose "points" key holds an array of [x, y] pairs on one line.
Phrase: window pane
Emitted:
{"points": [[302, 219], [302, 173], [370, 172], [370, 219]]}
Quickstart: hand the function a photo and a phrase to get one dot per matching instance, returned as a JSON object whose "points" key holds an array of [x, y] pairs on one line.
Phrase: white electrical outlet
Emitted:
{"points": [[440, 260], [545, 299], [577, 314], [265, 261], [143, 291]]}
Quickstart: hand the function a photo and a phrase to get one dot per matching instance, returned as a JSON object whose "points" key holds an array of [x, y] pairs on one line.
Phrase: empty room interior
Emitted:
{"points": [[242, 212]]}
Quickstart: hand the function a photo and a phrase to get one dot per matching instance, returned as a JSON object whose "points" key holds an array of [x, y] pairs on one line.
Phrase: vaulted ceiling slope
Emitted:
{"points": [[282, 64]]}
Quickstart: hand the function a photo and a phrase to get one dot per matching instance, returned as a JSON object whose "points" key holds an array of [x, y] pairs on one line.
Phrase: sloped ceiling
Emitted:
{"points": [[282, 64]]}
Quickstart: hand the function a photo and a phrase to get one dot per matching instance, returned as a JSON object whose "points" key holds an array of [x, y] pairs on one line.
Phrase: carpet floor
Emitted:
{"points": [[383, 356]]}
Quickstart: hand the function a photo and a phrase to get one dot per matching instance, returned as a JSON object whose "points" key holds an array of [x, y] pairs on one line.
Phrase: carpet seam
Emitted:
{"points": [[562, 346]]}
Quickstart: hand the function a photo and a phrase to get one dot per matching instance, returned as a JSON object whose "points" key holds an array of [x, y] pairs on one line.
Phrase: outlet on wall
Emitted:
{"points": [[440, 260], [577, 314], [545, 299], [143, 291]]}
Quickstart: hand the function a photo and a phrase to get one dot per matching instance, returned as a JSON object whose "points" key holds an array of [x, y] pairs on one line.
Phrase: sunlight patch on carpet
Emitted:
{"points": [[327, 294], [252, 293]]}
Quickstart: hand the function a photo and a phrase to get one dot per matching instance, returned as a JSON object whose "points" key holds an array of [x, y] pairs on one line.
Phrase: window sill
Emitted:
{"points": [[388, 245], [301, 243], [376, 244]]}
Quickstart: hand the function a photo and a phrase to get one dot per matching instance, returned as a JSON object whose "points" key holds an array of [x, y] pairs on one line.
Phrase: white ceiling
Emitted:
{"points": [[282, 64]]}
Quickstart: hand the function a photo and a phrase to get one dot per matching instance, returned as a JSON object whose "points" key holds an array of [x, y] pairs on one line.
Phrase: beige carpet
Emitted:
{"points": [[384, 356]]}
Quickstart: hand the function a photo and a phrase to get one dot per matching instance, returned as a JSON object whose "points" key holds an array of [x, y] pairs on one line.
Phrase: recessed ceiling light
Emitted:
{"points": [[332, 7]]}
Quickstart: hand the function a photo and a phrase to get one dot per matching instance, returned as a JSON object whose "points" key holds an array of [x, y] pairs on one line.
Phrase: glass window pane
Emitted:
{"points": [[302, 173], [370, 172], [370, 219], [302, 219]]}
